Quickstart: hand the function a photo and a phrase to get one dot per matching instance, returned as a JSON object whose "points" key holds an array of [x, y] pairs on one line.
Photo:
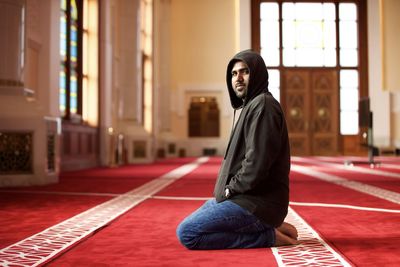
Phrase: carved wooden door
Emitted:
{"points": [[311, 106]]}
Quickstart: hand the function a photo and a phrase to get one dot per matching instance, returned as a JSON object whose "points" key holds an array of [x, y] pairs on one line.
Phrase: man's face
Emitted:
{"points": [[240, 79]]}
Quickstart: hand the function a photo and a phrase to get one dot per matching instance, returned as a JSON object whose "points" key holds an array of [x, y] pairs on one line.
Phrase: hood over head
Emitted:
{"points": [[258, 82]]}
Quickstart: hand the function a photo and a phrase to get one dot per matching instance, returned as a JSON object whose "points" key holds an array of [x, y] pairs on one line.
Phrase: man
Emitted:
{"points": [[252, 189]]}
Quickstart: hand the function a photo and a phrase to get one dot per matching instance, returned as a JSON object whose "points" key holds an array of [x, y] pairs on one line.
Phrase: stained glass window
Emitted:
{"points": [[69, 84], [78, 83], [73, 94], [63, 54]]}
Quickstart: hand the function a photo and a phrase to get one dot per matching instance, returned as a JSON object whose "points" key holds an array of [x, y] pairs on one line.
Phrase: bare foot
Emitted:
{"points": [[288, 229], [284, 240]]}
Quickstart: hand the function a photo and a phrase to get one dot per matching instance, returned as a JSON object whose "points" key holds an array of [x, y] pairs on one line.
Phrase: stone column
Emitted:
{"points": [[29, 126]]}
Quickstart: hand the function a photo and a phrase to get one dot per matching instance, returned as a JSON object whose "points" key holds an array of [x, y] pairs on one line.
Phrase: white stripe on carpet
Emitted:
{"points": [[312, 250], [308, 204], [326, 205]]}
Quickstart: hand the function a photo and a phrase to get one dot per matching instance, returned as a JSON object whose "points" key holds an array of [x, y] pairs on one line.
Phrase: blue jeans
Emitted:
{"points": [[224, 225]]}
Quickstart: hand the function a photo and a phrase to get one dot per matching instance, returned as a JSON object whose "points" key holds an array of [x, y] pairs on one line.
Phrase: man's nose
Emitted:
{"points": [[240, 76]]}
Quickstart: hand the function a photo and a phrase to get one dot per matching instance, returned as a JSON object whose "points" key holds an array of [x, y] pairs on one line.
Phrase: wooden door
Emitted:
{"points": [[312, 111]]}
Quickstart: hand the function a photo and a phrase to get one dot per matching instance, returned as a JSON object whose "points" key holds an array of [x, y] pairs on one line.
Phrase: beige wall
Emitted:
{"points": [[391, 41], [202, 40], [391, 62], [383, 78]]}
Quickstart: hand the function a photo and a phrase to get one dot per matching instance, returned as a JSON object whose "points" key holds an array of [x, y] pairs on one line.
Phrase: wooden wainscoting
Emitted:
{"points": [[79, 146]]}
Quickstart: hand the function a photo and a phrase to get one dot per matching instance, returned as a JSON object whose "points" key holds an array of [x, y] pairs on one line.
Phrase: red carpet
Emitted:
{"points": [[365, 232], [304, 188], [145, 236], [149, 233], [23, 215], [111, 180], [381, 177], [366, 238], [199, 183], [29, 210]]}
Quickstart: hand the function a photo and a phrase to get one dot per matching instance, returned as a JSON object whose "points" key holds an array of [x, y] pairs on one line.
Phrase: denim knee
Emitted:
{"points": [[186, 235]]}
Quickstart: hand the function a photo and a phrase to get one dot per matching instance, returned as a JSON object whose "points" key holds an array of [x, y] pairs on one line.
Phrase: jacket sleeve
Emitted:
{"points": [[262, 135]]}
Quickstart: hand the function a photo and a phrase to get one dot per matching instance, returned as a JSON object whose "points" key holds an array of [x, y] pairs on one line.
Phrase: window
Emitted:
{"points": [[70, 67], [78, 85], [348, 35], [349, 74], [146, 8], [270, 33], [304, 35], [309, 35], [349, 101]]}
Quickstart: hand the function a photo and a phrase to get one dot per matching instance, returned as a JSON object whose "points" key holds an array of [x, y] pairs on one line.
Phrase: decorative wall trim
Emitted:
{"points": [[16, 152]]}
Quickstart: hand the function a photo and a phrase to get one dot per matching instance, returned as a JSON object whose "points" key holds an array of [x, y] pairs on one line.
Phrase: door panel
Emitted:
{"points": [[296, 84], [325, 113], [311, 101]]}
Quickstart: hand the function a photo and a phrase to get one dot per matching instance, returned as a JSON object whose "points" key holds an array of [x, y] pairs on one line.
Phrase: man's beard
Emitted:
{"points": [[241, 94]]}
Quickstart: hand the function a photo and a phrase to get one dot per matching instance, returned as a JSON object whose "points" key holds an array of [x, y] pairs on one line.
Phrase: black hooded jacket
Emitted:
{"points": [[257, 160]]}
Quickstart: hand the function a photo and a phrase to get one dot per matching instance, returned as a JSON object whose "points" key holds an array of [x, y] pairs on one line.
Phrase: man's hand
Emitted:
{"points": [[227, 192]]}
